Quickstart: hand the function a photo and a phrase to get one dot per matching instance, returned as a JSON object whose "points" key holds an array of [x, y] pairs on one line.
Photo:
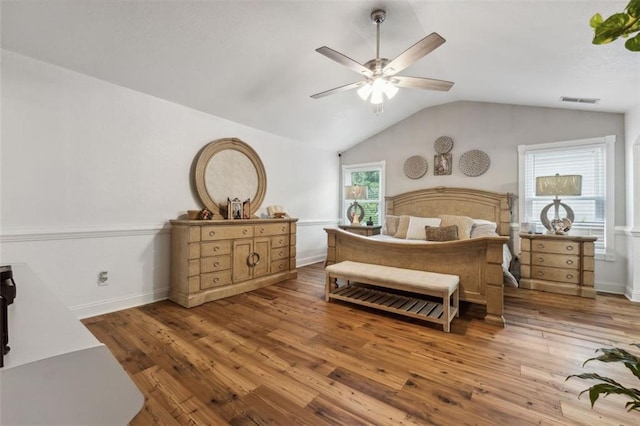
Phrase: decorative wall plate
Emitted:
{"points": [[474, 162], [415, 167], [443, 144]]}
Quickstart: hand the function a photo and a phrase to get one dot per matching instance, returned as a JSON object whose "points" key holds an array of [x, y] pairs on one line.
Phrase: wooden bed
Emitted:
{"points": [[477, 261]]}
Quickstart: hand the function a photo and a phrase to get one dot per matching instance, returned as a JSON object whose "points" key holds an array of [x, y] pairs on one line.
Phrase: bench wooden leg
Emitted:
{"points": [[446, 315], [456, 301]]}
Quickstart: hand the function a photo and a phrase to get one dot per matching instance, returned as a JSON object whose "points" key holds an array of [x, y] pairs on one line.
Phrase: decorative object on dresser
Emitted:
{"points": [[221, 257], [355, 212], [443, 159], [555, 186], [558, 264], [229, 168], [366, 230], [415, 167], [474, 163]]}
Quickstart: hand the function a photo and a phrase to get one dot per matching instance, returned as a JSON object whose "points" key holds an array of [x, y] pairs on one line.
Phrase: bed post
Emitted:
{"points": [[495, 286]]}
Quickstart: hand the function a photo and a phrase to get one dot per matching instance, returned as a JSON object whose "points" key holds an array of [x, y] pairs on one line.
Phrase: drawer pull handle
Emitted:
{"points": [[541, 273], [540, 245], [262, 230], [216, 264], [569, 276], [569, 248], [569, 262], [244, 231], [253, 259], [212, 233], [284, 229], [541, 259], [281, 241], [216, 279], [216, 248]]}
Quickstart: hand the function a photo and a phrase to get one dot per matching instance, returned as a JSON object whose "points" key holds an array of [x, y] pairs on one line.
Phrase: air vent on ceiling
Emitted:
{"points": [[580, 100]]}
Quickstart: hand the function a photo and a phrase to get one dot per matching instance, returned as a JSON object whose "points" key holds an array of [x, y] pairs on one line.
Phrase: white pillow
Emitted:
{"points": [[483, 228], [416, 229]]}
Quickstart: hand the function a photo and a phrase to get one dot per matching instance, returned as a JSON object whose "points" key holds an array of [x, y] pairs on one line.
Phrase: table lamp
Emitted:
{"points": [[558, 185], [355, 212]]}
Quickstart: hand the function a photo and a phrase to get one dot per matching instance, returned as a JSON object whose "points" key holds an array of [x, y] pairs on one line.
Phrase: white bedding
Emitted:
{"points": [[509, 279]]}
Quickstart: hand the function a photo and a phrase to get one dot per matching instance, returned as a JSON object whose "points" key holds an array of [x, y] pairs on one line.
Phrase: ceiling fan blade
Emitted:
{"points": [[421, 83], [412, 54], [338, 89], [344, 60]]}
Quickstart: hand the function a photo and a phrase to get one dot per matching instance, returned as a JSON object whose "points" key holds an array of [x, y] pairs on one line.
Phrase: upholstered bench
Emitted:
{"points": [[368, 285]]}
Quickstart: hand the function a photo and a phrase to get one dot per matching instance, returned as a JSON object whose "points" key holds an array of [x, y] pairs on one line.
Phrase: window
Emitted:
{"points": [[370, 175], [590, 158]]}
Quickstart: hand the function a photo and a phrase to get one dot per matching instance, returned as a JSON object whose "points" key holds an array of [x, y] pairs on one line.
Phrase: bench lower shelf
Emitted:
{"points": [[403, 304]]}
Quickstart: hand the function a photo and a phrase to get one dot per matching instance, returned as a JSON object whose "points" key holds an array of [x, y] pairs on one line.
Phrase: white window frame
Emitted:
{"points": [[609, 143], [347, 169]]}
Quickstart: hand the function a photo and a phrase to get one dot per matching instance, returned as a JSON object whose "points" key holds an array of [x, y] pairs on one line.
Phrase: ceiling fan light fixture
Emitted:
{"points": [[365, 91], [376, 97], [390, 89]]}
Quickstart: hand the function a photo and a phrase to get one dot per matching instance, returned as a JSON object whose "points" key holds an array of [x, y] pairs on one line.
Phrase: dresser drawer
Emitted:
{"points": [[210, 233], [561, 247], [215, 263], [279, 241], [215, 248], [279, 266], [566, 261], [215, 279], [555, 274], [280, 253], [268, 229]]}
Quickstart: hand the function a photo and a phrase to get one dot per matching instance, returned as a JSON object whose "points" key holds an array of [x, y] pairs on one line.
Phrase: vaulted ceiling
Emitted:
{"points": [[254, 62]]}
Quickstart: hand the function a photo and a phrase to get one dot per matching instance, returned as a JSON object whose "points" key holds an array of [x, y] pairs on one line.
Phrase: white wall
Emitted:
{"points": [[92, 172], [498, 129]]}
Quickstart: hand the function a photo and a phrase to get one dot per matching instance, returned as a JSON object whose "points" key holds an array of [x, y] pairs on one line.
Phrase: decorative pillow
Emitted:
{"points": [[403, 226], [416, 227], [464, 224], [441, 233], [391, 224]]}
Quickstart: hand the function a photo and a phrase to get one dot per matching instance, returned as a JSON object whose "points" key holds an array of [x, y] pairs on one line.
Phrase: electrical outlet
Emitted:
{"points": [[103, 278]]}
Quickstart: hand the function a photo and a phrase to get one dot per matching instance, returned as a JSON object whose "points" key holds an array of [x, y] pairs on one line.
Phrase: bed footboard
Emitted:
{"points": [[477, 261]]}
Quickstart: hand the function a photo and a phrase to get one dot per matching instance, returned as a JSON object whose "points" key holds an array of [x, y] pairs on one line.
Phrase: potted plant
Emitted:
{"points": [[607, 386], [622, 24]]}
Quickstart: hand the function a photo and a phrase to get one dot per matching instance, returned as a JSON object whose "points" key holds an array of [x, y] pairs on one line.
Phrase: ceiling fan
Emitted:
{"points": [[380, 73]]}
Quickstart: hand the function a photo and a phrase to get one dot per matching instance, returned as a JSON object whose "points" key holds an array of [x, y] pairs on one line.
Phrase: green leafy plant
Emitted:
{"points": [[617, 25], [609, 386]]}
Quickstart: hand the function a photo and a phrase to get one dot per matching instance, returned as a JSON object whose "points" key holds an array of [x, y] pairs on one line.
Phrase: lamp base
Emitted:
{"points": [[355, 213], [557, 225]]}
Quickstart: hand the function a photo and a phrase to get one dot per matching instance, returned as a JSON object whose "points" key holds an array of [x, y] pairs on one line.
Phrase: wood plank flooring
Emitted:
{"points": [[282, 356]]}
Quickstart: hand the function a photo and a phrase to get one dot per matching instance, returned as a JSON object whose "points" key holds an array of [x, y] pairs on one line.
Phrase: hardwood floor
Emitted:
{"points": [[282, 356]]}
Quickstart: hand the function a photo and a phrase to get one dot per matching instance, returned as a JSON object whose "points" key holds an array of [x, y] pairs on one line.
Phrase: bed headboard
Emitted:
{"points": [[474, 203]]}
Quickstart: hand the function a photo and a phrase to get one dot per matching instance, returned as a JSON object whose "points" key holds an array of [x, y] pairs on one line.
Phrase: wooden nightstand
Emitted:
{"points": [[558, 263], [367, 231]]}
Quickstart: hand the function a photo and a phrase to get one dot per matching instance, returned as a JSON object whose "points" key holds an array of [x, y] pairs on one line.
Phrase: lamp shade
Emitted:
{"points": [[355, 192], [559, 185]]}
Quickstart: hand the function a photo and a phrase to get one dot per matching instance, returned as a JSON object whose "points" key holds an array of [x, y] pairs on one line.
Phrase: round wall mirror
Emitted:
{"points": [[229, 168]]}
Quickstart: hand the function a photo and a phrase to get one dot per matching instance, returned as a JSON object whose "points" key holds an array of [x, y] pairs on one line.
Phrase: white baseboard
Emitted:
{"points": [[610, 287], [310, 260], [118, 304]]}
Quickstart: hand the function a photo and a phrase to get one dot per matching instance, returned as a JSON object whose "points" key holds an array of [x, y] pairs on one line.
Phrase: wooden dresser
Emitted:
{"points": [[558, 263], [212, 259]]}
